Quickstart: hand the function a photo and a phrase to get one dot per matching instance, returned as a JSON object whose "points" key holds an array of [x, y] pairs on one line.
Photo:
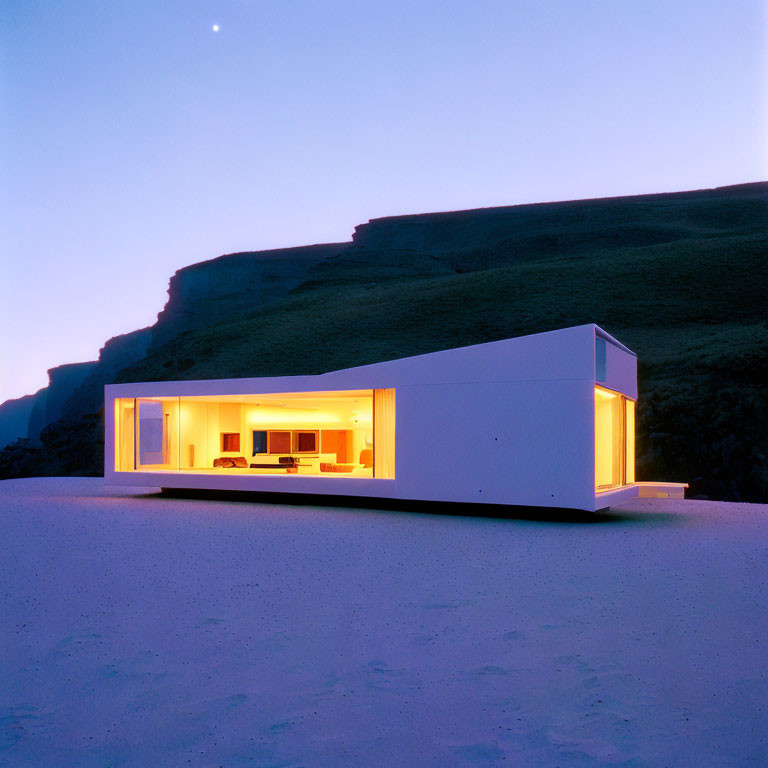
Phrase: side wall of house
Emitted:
{"points": [[525, 443]]}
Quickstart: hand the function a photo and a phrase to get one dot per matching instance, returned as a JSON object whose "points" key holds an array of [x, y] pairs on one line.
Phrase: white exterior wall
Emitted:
{"points": [[502, 443], [620, 367], [508, 422]]}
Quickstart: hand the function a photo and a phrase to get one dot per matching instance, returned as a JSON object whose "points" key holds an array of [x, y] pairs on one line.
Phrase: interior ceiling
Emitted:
{"points": [[283, 397]]}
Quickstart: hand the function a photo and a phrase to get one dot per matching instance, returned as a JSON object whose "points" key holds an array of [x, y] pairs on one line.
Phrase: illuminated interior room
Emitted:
{"points": [[614, 440], [340, 434]]}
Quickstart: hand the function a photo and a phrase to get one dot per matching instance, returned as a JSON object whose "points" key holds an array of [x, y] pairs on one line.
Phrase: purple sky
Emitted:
{"points": [[136, 140]]}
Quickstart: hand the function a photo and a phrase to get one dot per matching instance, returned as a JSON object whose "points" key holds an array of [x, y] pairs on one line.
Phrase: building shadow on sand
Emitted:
{"points": [[614, 515]]}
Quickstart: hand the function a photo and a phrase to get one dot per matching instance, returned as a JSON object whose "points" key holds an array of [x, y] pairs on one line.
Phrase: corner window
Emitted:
{"points": [[614, 440]]}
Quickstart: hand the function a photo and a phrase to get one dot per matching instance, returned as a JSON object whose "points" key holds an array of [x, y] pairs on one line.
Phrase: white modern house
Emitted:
{"points": [[543, 420]]}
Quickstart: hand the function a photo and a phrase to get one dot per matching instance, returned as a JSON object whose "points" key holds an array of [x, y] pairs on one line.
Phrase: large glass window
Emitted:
{"points": [[629, 406], [614, 439], [343, 433]]}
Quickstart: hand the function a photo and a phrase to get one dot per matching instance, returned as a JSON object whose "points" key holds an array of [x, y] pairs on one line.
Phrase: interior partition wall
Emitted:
{"points": [[125, 434], [157, 444]]}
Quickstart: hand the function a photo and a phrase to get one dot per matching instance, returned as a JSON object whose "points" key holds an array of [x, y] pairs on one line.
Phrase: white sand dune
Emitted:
{"points": [[145, 631]]}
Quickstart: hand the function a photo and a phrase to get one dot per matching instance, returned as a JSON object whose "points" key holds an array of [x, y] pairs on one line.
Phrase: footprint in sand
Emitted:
{"points": [[480, 754], [490, 669], [379, 676], [210, 623], [13, 724]]}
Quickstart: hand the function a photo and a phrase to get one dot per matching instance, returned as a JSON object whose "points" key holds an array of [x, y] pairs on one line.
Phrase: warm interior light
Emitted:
{"points": [[284, 415], [325, 434], [614, 440], [603, 438], [630, 441]]}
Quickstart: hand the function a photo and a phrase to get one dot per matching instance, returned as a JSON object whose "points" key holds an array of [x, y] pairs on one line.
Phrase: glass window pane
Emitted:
{"points": [[630, 440], [384, 433], [308, 433], [600, 353], [609, 438]]}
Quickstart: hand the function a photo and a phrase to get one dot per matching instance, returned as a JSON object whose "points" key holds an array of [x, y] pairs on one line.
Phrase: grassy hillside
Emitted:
{"points": [[679, 279]]}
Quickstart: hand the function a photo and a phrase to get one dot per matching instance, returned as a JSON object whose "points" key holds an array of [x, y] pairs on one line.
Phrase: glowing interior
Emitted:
{"points": [[328, 434], [614, 440]]}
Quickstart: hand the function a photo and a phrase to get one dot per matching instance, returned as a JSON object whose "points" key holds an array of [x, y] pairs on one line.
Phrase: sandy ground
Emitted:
{"points": [[145, 631]]}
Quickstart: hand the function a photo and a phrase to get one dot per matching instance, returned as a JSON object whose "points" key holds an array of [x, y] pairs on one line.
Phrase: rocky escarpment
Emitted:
{"points": [[47, 404], [14, 418], [457, 242], [605, 222], [116, 354], [63, 381], [37, 417], [221, 289], [73, 389], [63, 430]]}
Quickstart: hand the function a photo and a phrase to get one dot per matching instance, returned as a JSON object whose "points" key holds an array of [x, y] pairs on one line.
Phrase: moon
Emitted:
{"points": [[215, 27]]}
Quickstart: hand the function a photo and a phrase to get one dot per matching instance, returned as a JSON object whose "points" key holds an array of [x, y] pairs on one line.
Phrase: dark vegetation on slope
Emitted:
{"points": [[679, 278]]}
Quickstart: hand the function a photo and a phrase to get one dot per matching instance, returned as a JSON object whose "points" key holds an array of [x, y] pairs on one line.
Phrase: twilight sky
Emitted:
{"points": [[135, 140]]}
